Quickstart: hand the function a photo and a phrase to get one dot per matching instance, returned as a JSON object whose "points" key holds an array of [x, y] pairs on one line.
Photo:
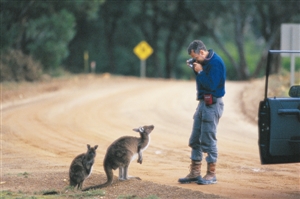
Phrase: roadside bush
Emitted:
{"points": [[15, 66], [49, 37]]}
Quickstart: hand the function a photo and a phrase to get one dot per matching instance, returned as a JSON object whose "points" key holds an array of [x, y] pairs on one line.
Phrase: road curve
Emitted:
{"points": [[46, 131]]}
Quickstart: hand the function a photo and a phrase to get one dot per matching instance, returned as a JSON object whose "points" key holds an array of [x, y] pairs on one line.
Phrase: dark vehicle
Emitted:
{"points": [[279, 123]]}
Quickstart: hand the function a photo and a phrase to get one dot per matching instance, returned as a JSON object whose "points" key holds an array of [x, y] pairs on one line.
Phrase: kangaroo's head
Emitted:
{"points": [[144, 129], [91, 152]]}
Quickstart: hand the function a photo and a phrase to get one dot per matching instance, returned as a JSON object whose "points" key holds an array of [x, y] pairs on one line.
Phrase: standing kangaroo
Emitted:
{"points": [[121, 152], [81, 167]]}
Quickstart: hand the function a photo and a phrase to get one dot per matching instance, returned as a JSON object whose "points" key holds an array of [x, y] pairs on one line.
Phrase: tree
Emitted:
{"points": [[42, 28], [50, 31], [149, 20], [264, 17], [178, 29], [112, 12], [267, 23], [166, 26], [240, 14], [223, 15], [47, 37]]}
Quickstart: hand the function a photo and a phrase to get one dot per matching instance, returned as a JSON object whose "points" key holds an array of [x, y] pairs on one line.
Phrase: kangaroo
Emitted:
{"points": [[81, 167], [121, 152]]}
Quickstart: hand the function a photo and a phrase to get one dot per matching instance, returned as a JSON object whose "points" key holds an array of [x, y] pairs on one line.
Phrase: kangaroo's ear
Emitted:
{"points": [[140, 130], [135, 129], [88, 146], [95, 147]]}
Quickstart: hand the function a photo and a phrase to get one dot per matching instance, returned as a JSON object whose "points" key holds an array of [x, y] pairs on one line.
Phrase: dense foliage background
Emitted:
{"points": [[57, 35]]}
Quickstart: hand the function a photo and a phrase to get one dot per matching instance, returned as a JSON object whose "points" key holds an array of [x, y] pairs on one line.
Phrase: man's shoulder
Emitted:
{"points": [[217, 59], [216, 56]]}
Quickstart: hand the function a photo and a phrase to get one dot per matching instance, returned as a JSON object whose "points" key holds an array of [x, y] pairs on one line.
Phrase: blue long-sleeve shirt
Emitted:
{"points": [[212, 79]]}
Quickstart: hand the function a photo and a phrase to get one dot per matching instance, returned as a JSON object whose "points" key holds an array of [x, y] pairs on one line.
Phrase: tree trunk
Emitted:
{"points": [[263, 59], [226, 52], [243, 72]]}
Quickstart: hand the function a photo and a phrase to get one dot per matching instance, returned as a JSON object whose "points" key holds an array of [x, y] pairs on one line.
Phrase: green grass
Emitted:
{"points": [[25, 175], [286, 63]]}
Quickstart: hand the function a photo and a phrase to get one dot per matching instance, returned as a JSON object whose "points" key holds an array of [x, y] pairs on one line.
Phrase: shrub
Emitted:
{"points": [[15, 66]]}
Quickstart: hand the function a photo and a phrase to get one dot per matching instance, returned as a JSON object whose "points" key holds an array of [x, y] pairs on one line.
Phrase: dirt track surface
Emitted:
{"points": [[45, 125]]}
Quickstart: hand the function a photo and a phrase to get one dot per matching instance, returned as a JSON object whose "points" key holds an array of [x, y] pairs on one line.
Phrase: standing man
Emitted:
{"points": [[210, 79]]}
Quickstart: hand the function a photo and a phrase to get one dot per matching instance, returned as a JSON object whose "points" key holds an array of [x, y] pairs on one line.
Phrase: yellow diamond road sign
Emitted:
{"points": [[143, 50]]}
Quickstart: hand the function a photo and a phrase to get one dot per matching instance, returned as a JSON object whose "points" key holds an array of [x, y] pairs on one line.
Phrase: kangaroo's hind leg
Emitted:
{"points": [[121, 173], [79, 187], [126, 176], [126, 172]]}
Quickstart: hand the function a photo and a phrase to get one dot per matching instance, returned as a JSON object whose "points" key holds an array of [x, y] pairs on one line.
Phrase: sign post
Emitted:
{"points": [[143, 50], [86, 61], [290, 40]]}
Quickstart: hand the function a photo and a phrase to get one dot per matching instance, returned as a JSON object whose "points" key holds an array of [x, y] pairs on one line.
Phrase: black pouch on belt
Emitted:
{"points": [[209, 99]]}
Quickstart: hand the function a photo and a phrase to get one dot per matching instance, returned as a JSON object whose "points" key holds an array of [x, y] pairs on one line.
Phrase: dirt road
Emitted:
{"points": [[46, 129]]}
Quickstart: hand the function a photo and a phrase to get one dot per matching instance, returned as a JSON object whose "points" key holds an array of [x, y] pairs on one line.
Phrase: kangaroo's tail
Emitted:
{"points": [[109, 175]]}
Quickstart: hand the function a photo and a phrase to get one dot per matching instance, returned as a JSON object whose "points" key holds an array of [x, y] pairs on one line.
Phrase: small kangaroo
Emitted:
{"points": [[81, 167], [121, 152]]}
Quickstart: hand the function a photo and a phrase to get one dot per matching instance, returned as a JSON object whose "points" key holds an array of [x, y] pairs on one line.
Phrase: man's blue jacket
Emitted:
{"points": [[212, 79]]}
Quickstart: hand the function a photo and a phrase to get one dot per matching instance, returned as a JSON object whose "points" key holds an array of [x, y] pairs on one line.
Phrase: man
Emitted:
{"points": [[210, 79]]}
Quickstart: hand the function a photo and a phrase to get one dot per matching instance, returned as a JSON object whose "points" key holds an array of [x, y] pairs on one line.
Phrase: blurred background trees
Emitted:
{"points": [[57, 34]]}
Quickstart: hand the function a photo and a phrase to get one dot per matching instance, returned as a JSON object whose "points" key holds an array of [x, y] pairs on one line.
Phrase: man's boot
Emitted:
{"points": [[194, 174], [210, 177]]}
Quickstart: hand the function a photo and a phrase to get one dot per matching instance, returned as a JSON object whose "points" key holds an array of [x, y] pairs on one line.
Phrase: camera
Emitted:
{"points": [[190, 62]]}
